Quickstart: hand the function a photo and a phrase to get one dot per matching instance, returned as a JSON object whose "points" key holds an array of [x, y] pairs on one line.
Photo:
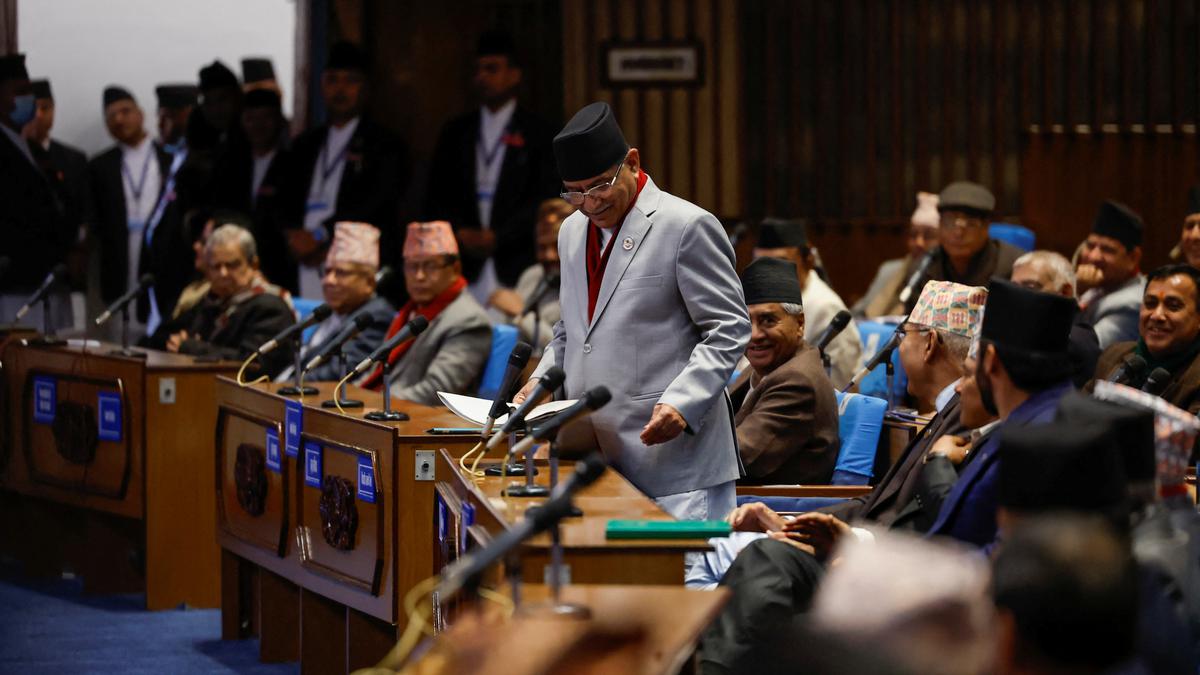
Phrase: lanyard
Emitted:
{"points": [[327, 169], [489, 156], [136, 189]]}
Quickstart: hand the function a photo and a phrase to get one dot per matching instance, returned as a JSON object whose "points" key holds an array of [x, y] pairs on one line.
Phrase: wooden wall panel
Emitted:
{"points": [[690, 139]]}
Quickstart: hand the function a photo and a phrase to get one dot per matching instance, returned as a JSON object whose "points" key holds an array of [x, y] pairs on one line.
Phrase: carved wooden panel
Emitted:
{"points": [[259, 514]]}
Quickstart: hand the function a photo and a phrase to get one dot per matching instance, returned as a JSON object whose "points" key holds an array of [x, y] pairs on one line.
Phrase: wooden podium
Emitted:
{"points": [[106, 469], [632, 630], [315, 562]]}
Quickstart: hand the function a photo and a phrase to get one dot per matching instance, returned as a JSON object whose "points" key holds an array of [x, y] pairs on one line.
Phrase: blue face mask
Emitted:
{"points": [[23, 111]]}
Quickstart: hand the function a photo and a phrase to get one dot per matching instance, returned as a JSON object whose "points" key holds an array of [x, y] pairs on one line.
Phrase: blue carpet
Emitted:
{"points": [[51, 627]]}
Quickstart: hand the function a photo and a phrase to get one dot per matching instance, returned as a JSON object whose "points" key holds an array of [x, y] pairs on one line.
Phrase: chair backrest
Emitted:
{"points": [[1017, 235], [873, 335], [860, 421], [304, 307], [504, 338]]}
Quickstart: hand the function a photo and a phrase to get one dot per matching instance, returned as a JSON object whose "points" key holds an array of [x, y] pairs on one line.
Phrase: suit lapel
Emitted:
{"points": [[633, 232], [574, 258]]}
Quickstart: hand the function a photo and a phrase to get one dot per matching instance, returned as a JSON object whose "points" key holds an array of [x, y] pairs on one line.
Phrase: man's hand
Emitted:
{"points": [[176, 340], [477, 240], [525, 392], [508, 301], [1087, 277], [787, 539], [664, 424], [953, 448], [820, 531], [755, 517], [302, 244]]}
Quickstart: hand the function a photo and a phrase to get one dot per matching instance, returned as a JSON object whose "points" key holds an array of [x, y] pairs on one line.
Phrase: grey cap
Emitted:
{"points": [[966, 196]]}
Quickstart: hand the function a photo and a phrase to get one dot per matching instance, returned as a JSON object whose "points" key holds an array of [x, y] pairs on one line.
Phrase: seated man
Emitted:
{"points": [[241, 310], [787, 240], [883, 296], [1108, 279], [451, 353], [967, 254], [1050, 272], [1169, 328], [511, 301], [786, 414], [348, 284], [1188, 247]]}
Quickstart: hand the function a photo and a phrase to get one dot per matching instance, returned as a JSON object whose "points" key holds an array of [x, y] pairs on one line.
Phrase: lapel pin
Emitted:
{"points": [[627, 244]]}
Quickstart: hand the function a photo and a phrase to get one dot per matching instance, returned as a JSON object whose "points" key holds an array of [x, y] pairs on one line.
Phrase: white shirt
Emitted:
{"points": [[323, 193], [944, 396], [141, 181], [261, 164], [490, 150]]}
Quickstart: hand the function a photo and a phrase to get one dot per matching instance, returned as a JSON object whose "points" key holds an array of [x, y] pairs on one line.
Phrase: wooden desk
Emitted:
{"points": [[106, 499], [333, 607], [643, 630], [591, 557]]}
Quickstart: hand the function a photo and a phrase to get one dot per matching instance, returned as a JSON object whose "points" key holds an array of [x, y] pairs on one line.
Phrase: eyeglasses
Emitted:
{"points": [[905, 328], [951, 221], [427, 266], [341, 273], [598, 192]]}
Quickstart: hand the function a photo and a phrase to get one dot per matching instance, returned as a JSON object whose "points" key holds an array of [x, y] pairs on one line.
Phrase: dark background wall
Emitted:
{"points": [[840, 111]]}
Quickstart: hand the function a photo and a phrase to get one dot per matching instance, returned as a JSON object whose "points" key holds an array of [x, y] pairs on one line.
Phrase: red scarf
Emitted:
{"points": [[429, 311], [597, 262]]}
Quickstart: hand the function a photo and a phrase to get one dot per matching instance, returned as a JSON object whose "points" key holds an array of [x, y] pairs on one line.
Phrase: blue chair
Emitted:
{"points": [[873, 335], [304, 307], [860, 422], [1017, 235], [504, 338]]}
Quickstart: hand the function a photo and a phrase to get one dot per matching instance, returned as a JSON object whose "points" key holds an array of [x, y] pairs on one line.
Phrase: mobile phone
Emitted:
{"points": [[454, 430]]}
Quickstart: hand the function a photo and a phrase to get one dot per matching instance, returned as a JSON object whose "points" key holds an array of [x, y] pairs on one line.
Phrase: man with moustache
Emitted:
{"points": [[1108, 275]]}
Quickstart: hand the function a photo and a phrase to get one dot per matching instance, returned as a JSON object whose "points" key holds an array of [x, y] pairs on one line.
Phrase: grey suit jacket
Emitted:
{"points": [[358, 347], [1115, 315], [448, 356], [670, 324]]}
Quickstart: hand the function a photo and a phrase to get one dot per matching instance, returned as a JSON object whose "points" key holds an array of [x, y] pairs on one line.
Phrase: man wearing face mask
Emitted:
{"points": [[34, 233]]}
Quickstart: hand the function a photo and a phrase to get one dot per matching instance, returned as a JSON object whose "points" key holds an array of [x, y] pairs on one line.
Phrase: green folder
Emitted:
{"points": [[666, 529]]}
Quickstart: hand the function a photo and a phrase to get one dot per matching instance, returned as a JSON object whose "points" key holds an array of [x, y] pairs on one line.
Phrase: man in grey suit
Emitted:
{"points": [[450, 354], [652, 309], [1108, 278]]}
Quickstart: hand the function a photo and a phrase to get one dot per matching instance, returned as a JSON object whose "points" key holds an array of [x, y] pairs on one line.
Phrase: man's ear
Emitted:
{"points": [[931, 346], [800, 321], [1136, 254], [633, 159]]}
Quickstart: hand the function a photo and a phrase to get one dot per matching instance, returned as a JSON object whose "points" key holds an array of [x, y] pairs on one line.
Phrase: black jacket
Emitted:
{"points": [[231, 186], [111, 224], [252, 323], [35, 234], [527, 177], [375, 176]]}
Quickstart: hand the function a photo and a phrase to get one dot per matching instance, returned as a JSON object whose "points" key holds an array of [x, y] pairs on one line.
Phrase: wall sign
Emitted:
{"points": [[652, 64]]}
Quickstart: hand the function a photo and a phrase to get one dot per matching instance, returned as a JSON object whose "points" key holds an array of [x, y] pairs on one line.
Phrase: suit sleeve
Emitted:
{"points": [[712, 295], [777, 427], [1117, 326], [935, 481], [263, 321], [458, 363]]}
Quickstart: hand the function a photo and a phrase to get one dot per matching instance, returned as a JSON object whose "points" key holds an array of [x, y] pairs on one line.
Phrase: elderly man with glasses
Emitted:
{"points": [[450, 354], [966, 254], [652, 309]]}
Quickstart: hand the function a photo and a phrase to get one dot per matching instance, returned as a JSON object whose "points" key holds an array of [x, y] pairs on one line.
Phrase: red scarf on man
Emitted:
{"points": [[597, 261], [429, 311]]}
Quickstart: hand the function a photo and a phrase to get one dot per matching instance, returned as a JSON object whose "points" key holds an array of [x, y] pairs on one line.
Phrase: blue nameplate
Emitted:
{"points": [[312, 464], [273, 459], [442, 517], [45, 399], [366, 479], [468, 519], [293, 426], [108, 414]]}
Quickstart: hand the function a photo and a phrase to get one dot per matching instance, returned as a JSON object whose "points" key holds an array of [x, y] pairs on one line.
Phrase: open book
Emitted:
{"points": [[475, 410]]}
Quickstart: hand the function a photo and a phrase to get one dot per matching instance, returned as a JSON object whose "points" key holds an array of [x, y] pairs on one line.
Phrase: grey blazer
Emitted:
{"points": [[670, 324], [448, 356], [1115, 315]]}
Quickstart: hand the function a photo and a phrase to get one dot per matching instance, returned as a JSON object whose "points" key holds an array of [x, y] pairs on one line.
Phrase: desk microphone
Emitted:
{"points": [[516, 363], [882, 355], [591, 401], [144, 283], [413, 328], [57, 274], [357, 325], [319, 314], [547, 384], [550, 282], [1157, 381], [910, 286], [835, 327], [1133, 369]]}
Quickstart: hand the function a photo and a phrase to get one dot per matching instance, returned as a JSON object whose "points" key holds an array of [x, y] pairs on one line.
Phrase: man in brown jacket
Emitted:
{"points": [[787, 417], [1169, 338]]}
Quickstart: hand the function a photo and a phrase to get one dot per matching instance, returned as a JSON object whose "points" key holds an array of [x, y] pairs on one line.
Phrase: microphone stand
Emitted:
{"points": [[514, 468], [825, 361], [295, 389], [48, 338], [387, 414], [125, 350], [341, 401], [530, 488], [891, 376]]}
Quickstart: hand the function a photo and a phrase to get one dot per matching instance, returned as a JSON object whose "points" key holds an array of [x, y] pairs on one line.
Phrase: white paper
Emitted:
{"points": [[475, 410]]}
